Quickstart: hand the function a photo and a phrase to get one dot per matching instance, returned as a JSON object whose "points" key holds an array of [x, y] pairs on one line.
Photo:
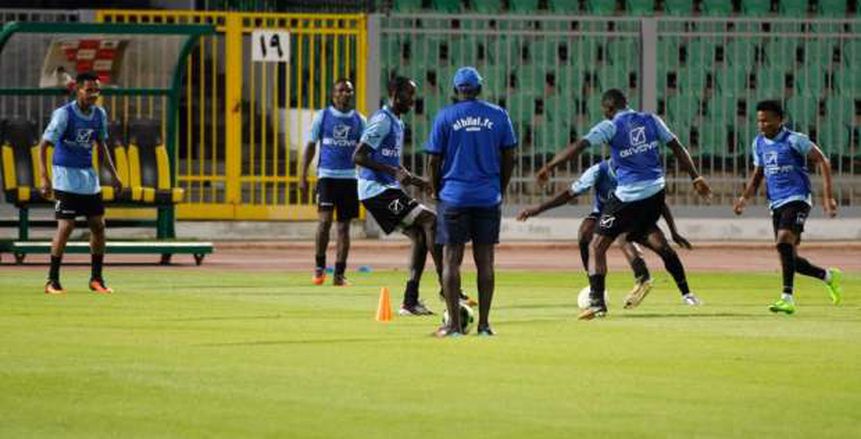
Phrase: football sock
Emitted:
{"points": [[674, 266], [804, 267], [411, 293], [787, 263], [596, 284], [787, 297], [340, 268], [320, 260], [54, 273], [97, 260], [641, 272], [584, 253]]}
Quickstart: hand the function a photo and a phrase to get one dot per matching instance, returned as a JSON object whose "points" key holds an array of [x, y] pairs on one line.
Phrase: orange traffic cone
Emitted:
{"points": [[384, 308]]}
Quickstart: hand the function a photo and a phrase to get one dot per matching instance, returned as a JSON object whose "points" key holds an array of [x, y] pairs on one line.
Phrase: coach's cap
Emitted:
{"points": [[467, 77]]}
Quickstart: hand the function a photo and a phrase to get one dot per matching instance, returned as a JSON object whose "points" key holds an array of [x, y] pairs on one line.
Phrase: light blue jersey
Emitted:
{"points": [[338, 134], [385, 135], [470, 136], [599, 176], [634, 140], [73, 135], [784, 164]]}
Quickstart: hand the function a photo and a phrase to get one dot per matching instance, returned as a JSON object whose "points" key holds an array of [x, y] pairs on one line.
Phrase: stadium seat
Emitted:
{"points": [[832, 8], [640, 7], [793, 8], [668, 51], [722, 108], [756, 8], [692, 79], [521, 107], [623, 51], [682, 108], [494, 80], [543, 52], [20, 155], [447, 6], [713, 139], [463, 50], [740, 51], [810, 81], [600, 7], [848, 80], [149, 165], [716, 7], [407, 5], [678, 7], [770, 82], [425, 49], [583, 51], [530, 79], [559, 109], [613, 77], [833, 138], [523, 6], [731, 81], [486, 6], [701, 52], [781, 52], [802, 110], [563, 6], [119, 157], [569, 80], [818, 53], [840, 108]]}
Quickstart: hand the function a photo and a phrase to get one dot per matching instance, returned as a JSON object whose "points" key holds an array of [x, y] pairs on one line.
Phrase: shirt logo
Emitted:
{"points": [[396, 207], [341, 132], [607, 221], [637, 136], [771, 158], [84, 136]]}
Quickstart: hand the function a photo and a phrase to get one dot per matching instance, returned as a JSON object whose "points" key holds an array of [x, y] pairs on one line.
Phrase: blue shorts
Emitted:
{"points": [[459, 225]]}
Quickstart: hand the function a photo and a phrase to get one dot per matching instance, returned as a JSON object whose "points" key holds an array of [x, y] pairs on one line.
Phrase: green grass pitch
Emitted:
{"points": [[188, 353]]}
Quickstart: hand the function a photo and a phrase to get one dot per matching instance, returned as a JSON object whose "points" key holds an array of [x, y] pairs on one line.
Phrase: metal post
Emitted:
{"points": [[649, 64]]}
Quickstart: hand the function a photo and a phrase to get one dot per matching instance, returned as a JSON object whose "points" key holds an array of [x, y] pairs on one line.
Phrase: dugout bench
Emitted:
{"points": [[143, 166]]}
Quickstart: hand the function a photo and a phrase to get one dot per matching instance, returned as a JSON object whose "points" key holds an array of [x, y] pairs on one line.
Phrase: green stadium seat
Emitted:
{"points": [[818, 53], [522, 6], [447, 6], [756, 8], [563, 6], [640, 7], [530, 79], [692, 79], [803, 110], [810, 81], [731, 81], [833, 138], [832, 8], [543, 52], [521, 107], [559, 108], [600, 7], [770, 82], [407, 5], [848, 81], [486, 6], [494, 80], [623, 51], [702, 51], [840, 108], [505, 50], [569, 80], [781, 52], [463, 50], [716, 7], [583, 51], [852, 52], [678, 7], [722, 109], [740, 51], [713, 137], [425, 50], [594, 111], [793, 8], [682, 108], [668, 51]]}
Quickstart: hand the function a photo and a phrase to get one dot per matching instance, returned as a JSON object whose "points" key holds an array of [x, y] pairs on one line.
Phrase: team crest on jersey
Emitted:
{"points": [[396, 206], [341, 132], [638, 136], [84, 136], [607, 221], [771, 158], [800, 218]]}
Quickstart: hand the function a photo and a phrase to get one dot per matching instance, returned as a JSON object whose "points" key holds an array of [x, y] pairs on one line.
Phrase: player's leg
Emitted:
{"points": [[642, 277], [831, 276], [451, 285], [97, 250], [484, 232], [418, 257], [325, 208], [656, 241], [597, 275], [786, 239], [65, 226], [584, 238], [347, 205], [343, 233]]}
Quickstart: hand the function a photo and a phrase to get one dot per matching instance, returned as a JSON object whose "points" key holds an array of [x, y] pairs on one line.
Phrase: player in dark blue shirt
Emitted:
{"points": [[602, 178], [635, 206], [471, 148], [780, 157], [337, 128]]}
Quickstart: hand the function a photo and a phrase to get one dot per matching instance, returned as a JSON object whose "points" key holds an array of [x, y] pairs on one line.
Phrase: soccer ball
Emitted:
{"points": [[467, 318], [583, 298]]}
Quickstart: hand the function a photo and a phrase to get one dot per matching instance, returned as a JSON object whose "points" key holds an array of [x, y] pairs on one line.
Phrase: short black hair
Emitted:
{"points": [[342, 80], [85, 76], [399, 84], [771, 105], [615, 97]]}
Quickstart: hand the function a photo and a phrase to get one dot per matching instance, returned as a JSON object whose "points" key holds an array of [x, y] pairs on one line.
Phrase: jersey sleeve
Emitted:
{"points": [[755, 154], [377, 130], [800, 143], [509, 139], [586, 181], [438, 136], [601, 133], [55, 128], [316, 126], [664, 133]]}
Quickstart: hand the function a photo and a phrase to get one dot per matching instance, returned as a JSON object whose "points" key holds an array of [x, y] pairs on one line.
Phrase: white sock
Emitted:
{"points": [[827, 275], [787, 298]]}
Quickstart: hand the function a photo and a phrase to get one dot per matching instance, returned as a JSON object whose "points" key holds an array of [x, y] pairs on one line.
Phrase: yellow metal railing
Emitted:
{"points": [[243, 124]]}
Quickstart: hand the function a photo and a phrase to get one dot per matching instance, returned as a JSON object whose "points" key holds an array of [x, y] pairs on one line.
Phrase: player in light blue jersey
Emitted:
{"points": [[471, 148], [337, 128], [74, 183], [635, 206], [602, 178], [780, 158]]}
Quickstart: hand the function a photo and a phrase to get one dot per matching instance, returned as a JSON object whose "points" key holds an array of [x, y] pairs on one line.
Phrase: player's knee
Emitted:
{"points": [[667, 252], [97, 228]]}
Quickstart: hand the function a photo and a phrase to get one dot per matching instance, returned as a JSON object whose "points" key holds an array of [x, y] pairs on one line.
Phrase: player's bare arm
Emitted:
{"points": [[828, 202], [674, 232], [687, 165], [362, 157], [434, 168], [307, 157], [561, 198], [507, 169], [105, 158], [45, 181], [749, 190], [570, 153]]}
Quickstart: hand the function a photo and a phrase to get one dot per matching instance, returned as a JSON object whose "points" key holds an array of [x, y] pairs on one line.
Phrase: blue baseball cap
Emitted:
{"points": [[467, 77]]}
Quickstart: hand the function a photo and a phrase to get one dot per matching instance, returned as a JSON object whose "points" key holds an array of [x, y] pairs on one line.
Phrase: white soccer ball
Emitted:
{"points": [[467, 318], [583, 298]]}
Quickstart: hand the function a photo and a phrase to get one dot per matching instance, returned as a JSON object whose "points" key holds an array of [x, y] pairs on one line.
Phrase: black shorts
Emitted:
{"points": [[71, 205], [341, 194], [394, 208], [459, 225], [790, 216], [636, 218]]}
